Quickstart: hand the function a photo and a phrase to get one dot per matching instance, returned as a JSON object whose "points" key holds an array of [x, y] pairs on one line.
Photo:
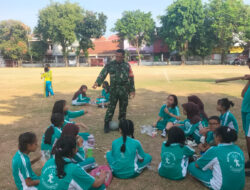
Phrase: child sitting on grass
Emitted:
{"points": [[61, 106], [80, 98], [104, 99], [51, 135], [168, 115], [23, 174], [80, 157], [127, 158], [208, 133], [199, 103], [226, 117], [175, 155], [63, 173], [221, 166], [192, 125]]}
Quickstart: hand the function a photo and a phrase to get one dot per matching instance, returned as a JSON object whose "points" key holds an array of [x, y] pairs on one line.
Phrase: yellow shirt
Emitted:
{"points": [[47, 76]]}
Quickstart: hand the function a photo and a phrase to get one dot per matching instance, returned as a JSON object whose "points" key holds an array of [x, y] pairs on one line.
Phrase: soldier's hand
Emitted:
{"points": [[247, 77], [95, 85], [132, 94]]}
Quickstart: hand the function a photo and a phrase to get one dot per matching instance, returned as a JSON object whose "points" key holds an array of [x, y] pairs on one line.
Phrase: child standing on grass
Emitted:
{"points": [[127, 158], [51, 135], [47, 75], [197, 100], [61, 106], [226, 117], [175, 155], [222, 166], [23, 174], [104, 99], [168, 115], [193, 124], [63, 173], [80, 97], [208, 134]]}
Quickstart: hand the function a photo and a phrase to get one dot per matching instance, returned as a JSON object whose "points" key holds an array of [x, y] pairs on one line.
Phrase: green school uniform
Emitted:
{"points": [[221, 167], [174, 161], [227, 119], [104, 99], [167, 118], [21, 170], [204, 121], [210, 138], [56, 135], [192, 130], [80, 100], [245, 112], [76, 177], [126, 165], [71, 115]]}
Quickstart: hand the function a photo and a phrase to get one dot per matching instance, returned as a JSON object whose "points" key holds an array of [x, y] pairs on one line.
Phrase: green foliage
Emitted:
{"points": [[13, 39], [180, 24], [92, 25], [38, 50], [204, 39], [227, 17], [57, 22], [137, 27]]}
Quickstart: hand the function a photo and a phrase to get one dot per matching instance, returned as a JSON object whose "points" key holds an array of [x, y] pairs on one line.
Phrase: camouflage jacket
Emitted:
{"points": [[121, 75]]}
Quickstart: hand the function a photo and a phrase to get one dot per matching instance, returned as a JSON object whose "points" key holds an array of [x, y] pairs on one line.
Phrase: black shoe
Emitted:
{"points": [[247, 164], [106, 127]]}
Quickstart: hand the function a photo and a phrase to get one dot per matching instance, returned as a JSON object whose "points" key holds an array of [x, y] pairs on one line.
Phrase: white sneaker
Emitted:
{"points": [[164, 134]]}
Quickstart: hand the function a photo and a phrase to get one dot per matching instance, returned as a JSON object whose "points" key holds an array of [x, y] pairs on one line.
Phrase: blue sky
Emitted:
{"points": [[27, 10]]}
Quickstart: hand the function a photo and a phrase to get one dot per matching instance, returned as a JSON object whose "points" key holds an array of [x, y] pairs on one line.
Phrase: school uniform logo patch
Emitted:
{"points": [[235, 161], [49, 180], [169, 160]]}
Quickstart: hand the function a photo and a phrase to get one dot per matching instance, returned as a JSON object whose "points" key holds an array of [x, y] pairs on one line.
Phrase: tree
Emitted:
{"points": [[92, 25], [13, 40], [246, 30], [203, 40], [180, 23], [57, 22], [137, 27], [227, 17], [37, 50]]}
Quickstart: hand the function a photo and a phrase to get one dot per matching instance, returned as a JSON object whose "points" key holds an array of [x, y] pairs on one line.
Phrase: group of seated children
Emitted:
{"points": [[68, 159], [80, 97]]}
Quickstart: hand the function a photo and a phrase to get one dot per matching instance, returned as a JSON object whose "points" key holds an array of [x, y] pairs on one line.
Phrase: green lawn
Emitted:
{"points": [[23, 108]]}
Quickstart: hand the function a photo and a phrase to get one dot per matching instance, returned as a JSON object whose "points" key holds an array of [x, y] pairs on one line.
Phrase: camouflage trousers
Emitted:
{"points": [[120, 94]]}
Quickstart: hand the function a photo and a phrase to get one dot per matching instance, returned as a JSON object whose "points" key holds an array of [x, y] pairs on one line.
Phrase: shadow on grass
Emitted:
{"points": [[34, 113]]}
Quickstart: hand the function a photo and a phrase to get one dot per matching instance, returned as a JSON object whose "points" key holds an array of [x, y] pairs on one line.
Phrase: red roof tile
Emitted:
{"points": [[105, 45]]}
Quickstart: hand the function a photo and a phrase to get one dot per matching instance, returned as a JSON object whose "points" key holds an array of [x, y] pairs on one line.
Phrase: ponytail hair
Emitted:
{"points": [[64, 147], [227, 134], [56, 120], [127, 128], [225, 103]]}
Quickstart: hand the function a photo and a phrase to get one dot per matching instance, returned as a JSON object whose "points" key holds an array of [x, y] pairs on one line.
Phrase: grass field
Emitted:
{"points": [[23, 108]]}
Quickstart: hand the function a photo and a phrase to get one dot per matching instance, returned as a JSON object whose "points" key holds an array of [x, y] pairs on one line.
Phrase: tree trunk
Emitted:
{"points": [[183, 59], [65, 56], [77, 61], [139, 55], [222, 57], [203, 60]]}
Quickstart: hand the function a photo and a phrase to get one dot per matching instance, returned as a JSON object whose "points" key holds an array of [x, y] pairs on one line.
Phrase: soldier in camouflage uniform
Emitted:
{"points": [[121, 86]]}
